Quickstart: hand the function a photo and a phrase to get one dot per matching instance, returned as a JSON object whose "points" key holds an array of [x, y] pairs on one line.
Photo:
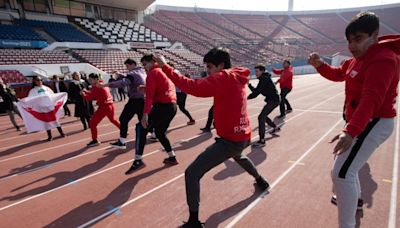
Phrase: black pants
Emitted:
{"points": [[181, 101], [210, 117], [85, 121], [214, 155], [160, 117], [263, 117], [67, 112], [59, 131], [284, 101], [134, 106], [121, 92]]}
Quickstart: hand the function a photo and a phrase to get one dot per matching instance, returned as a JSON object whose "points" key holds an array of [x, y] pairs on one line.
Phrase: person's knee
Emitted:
{"points": [[191, 173]]}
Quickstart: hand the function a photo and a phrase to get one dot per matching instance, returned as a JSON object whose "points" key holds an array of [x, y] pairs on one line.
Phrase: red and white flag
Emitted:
{"points": [[42, 112]]}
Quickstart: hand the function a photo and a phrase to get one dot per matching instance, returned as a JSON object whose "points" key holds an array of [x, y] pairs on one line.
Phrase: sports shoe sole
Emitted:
{"points": [[118, 147]]}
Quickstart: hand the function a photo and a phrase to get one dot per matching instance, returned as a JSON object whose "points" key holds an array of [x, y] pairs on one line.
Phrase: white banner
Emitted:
{"points": [[42, 112]]}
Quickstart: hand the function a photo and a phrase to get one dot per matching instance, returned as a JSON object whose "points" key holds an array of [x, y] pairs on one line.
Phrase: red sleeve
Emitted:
{"points": [[151, 82], [204, 87], [377, 81], [88, 95], [276, 71], [336, 74]]}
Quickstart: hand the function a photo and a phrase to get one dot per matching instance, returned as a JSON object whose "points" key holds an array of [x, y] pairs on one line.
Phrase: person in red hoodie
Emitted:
{"points": [[371, 78], [286, 84], [159, 110], [228, 87], [105, 106]]}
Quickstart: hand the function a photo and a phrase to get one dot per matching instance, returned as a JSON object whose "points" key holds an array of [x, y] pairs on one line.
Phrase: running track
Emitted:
{"points": [[64, 184]]}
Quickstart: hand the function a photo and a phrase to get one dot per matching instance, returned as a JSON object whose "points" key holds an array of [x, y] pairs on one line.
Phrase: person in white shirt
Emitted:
{"points": [[39, 89]]}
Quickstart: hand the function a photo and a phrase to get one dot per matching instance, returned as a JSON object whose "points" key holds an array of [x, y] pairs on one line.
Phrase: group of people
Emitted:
{"points": [[371, 77]]}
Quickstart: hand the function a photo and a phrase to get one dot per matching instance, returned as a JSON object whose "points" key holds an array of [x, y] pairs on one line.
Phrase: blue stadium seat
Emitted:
{"points": [[63, 32]]}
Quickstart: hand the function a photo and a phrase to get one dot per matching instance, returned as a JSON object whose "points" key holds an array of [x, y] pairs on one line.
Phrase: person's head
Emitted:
{"points": [[56, 78], [36, 81], [362, 32], [94, 78], [76, 76], [216, 60], [130, 64], [260, 69], [286, 63], [147, 61]]}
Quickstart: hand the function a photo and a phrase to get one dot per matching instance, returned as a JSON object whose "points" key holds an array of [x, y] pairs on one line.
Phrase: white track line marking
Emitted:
{"points": [[395, 175]]}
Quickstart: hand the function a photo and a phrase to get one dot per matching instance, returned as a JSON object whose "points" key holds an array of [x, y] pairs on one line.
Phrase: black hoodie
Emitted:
{"points": [[266, 87]]}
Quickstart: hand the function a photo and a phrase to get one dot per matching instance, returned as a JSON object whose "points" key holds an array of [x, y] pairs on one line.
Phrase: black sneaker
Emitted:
{"points": [[276, 129], [205, 129], [93, 143], [118, 144], [281, 116], [136, 165], [50, 139], [289, 110], [259, 143], [196, 224], [171, 161], [360, 203], [262, 183], [18, 129]]}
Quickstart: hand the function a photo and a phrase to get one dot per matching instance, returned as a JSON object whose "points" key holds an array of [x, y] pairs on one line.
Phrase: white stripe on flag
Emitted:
{"points": [[42, 112]]}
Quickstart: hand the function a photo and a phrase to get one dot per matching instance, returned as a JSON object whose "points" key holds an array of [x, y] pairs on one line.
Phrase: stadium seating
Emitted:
{"points": [[26, 56], [12, 77], [121, 31], [15, 32], [63, 32]]}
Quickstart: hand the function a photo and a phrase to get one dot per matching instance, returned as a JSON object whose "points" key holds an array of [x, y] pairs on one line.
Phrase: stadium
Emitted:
{"points": [[62, 183]]}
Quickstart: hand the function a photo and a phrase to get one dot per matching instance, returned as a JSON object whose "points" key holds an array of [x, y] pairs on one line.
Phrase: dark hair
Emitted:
{"points": [[365, 22], [261, 67], [130, 61], [147, 57], [55, 76], [94, 76], [287, 61], [34, 78], [171, 64], [217, 56]]}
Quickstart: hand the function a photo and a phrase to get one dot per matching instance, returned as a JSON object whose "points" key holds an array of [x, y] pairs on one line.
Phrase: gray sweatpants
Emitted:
{"points": [[345, 169], [214, 155]]}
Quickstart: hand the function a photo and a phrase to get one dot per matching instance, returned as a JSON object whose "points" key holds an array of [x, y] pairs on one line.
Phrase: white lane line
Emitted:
{"points": [[395, 175]]}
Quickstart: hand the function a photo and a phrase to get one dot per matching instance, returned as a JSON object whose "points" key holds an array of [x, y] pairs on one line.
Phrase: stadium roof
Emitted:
{"points": [[124, 4]]}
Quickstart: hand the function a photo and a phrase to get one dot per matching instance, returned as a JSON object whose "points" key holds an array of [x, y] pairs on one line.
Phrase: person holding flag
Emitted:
{"points": [[41, 109]]}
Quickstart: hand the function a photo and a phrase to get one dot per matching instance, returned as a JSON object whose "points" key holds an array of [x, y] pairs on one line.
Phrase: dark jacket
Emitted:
{"points": [[8, 97], [82, 107], [61, 85], [265, 87]]}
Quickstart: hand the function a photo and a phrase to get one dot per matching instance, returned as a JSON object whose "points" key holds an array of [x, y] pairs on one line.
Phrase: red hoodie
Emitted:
{"points": [[159, 89], [371, 83], [101, 95], [286, 79], [228, 87]]}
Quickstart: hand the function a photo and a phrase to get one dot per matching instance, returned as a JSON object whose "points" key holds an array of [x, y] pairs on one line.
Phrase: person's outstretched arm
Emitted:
{"points": [[336, 74]]}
